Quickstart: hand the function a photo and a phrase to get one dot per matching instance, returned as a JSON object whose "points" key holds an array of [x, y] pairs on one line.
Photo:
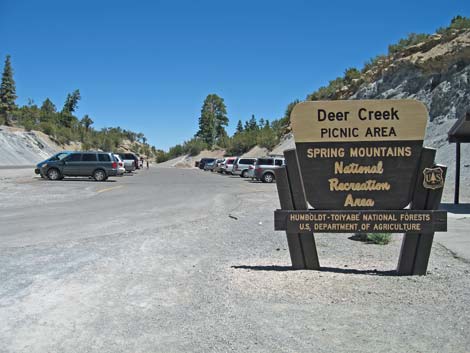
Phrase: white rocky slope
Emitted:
{"points": [[436, 73], [22, 148], [19, 147]]}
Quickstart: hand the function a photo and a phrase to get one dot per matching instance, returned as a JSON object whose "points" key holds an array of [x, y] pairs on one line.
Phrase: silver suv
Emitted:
{"points": [[227, 165], [242, 165], [264, 168]]}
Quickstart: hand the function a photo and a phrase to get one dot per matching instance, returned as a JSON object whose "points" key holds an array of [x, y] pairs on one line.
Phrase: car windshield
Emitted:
{"points": [[59, 156]]}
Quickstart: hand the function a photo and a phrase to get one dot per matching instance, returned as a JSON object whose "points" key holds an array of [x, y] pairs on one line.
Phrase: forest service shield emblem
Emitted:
{"points": [[433, 178]]}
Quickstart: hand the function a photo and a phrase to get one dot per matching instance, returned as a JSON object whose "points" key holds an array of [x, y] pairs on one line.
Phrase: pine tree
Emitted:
{"points": [[48, 107], [71, 102], [86, 122], [252, 124], [212, 120], [7, 91], [239, 127]]}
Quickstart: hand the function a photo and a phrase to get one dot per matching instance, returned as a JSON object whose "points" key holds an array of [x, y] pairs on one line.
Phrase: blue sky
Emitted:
{"points": [[148, 65]]}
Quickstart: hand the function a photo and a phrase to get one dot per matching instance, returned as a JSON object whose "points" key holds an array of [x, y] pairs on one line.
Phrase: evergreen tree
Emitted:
{"points": [[71, 102], [252, 124], [48, 107], [212, 120], [86, 122], [239, 127], [223, 140], [7, 92], [289, 109]]}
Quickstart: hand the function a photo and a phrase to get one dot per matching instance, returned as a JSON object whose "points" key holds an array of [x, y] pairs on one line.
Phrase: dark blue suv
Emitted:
{"points": [[99, 165], [56, 157]]}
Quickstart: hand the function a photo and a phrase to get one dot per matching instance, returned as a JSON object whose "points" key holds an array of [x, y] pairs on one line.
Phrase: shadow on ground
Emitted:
{"points": [[322, 269], [79, 179], [461, 208]]}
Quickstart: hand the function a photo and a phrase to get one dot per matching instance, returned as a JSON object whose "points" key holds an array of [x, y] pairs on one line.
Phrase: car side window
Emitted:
{"points": [[74, 157], [89, 157], [278, 162], [104, 157]]}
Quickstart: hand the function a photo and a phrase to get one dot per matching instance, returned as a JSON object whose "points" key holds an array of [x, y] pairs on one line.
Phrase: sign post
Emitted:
{"points": [[362, 168]]}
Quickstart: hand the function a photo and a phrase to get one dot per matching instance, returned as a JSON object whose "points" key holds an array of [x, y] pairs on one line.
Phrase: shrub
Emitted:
{"points": [[194, 146], [457, 23], [379, 238], [412, 39], [47, 128], [266, 138], [351, 74], [175, 151]]}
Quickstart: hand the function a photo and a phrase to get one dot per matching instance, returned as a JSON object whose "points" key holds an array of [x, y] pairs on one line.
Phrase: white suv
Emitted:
{"points": [[242, 165]]}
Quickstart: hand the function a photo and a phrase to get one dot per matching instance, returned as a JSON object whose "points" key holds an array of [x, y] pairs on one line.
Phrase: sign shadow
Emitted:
{"points": [[461, 208], [351, 271]]}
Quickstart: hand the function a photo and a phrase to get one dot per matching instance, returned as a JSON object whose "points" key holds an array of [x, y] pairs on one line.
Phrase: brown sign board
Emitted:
{"points": [[369, 221], [359, 154]]}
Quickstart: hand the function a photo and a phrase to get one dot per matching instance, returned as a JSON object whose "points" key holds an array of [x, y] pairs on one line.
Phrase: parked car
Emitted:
{"points": [[218, 166], [99, 165], [131, 162], [203, 161], [241, 165], [56, 157], [264, 168], [251, 172], [121, 168], [210, 165], [227, 166]]}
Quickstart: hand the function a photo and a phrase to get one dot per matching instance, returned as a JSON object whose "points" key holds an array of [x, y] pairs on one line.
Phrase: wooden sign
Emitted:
{"points": [[359, 154], [362, 166], [370, 221]]}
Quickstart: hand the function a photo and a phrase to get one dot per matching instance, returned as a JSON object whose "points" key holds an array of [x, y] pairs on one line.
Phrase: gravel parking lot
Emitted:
{"points": [[180, 260]]}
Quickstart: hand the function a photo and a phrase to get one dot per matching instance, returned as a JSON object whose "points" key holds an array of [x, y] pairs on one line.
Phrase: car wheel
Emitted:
{"points": [[268, 178], [99, 175], [53, 174], [244, 174]]}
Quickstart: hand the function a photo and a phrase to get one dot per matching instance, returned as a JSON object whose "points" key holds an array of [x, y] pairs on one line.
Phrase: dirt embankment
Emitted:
{"points": [[19, 147]]}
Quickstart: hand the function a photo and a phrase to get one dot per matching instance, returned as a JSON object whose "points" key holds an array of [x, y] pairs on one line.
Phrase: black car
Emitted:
{"points": [[99, 165], [203, 162]]}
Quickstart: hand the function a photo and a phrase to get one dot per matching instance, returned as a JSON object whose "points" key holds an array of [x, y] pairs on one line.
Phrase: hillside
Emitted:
{"points": [[435, 72], [19, 147]]}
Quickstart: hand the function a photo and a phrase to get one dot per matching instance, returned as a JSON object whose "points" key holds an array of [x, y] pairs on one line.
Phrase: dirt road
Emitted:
{"points": [[176, 260]]}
